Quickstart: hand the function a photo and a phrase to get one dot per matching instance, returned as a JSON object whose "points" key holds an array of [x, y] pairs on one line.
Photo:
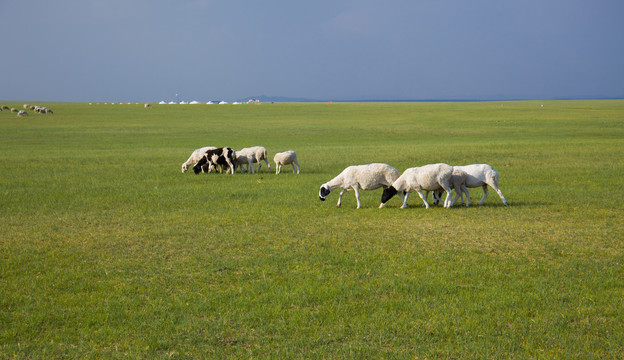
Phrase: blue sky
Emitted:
{"points": [[151, 50]]}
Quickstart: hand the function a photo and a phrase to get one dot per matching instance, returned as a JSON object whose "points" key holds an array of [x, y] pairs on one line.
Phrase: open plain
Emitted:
{"points": [[109, 251]]}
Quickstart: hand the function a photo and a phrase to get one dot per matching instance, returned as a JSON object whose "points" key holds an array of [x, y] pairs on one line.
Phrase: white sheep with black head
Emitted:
{"points": [[356, 177], [424, 178]]}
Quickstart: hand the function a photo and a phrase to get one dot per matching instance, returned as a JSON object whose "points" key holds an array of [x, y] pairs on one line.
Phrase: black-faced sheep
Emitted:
{"points": [[428, 178], [220, 156], [356, 177], [285, 158]]}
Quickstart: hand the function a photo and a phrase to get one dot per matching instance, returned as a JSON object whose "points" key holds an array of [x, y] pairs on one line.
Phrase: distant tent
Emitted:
{"points": [[209, 103], [172, 102], [183, 102], [162, 102], [223, 102], [194, 102]]}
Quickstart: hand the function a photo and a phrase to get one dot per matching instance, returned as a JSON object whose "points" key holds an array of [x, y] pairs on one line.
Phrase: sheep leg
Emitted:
{"points": [[500, 194], [267, 164], [405, 200], [293, 165], [485, 194], [259, 165], [298, 168], [424, 199], [464, 189], [340, 197], [357, 197], [449, 196], [250, 167], [277, 168]]}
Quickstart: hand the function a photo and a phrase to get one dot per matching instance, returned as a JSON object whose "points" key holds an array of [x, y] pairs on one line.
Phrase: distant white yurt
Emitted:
{"points": [[194, 102], [162, 102], [209, 103], [223, 102]]}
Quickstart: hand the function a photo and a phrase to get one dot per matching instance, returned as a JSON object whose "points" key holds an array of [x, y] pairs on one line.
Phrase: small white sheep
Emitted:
{"points": [[356, 177], [22, 113], [429, 178], [244, 159], [257, 154], [481, 175], [458, 183], [285, 158], [196, 155]]}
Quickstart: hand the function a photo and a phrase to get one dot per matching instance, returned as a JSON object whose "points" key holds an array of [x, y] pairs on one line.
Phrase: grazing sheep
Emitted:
{"points": [[429, 177], [14, 110], [244, 159], [356, 177], [22, 113], [481, 175], [4, 107], [221, 156], [196, 156], [256, 153], [26, 106], [147, 106], [458, 183], [285, 158]]}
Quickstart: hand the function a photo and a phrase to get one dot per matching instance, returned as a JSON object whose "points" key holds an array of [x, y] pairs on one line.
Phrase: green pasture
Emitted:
{"points": [[109, 251]]}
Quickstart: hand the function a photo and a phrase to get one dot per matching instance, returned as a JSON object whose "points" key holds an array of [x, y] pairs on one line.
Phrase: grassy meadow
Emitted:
{"points": [[109, 251]]}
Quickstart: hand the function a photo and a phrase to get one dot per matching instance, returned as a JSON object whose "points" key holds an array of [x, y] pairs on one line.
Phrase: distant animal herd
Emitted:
{"points": [[23, 113], [435, 178]]}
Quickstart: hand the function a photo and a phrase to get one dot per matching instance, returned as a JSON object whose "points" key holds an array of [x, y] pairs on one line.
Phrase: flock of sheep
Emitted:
{"points": [[22, 113], [210, 158], [436, 178]]}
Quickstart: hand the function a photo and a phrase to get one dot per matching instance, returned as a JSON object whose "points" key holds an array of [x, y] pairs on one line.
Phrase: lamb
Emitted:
{"points": [[256, 154], [458, 183], [220, 156], [22, 113], [356, 177], [196, 156], [244, 159], [285, 158], [429, 177]]}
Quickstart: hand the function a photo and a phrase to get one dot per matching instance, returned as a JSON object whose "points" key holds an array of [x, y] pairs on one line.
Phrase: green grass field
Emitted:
{"points": [[109, 251]]}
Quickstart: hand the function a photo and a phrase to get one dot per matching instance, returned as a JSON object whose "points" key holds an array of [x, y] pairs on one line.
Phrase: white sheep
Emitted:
{"points": [[481, 175], [256, 153], [285, 158], [244, 159], [429, 178], [22, 113], [196, 155], [356, 177], [458, 183]]}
